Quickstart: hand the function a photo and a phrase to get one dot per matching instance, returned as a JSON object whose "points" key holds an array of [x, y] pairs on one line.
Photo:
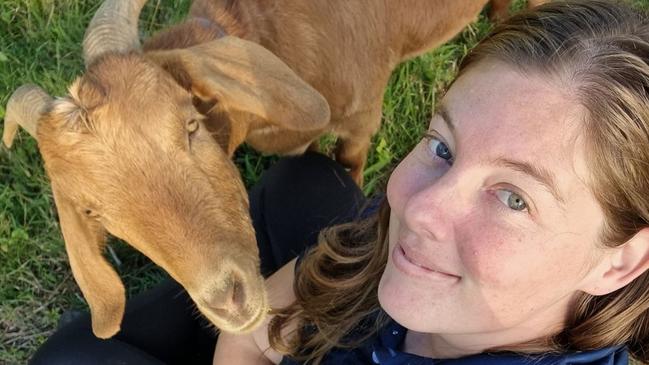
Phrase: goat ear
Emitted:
{"points": [[99, 283], [244, 76]]}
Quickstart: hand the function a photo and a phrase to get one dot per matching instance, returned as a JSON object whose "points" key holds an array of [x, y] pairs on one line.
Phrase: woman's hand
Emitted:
{"points": [[254, 348]]}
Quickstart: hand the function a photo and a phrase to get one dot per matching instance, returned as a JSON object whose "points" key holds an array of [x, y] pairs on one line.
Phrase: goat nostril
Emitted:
{"points": [[230, 298], [238, 294]]}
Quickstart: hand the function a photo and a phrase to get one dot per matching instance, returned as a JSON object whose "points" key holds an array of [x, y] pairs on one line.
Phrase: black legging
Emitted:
{"points": [[293, 201]]}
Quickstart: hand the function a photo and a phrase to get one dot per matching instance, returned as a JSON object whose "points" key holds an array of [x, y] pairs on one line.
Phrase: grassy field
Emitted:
{"points": [[40, 42]]}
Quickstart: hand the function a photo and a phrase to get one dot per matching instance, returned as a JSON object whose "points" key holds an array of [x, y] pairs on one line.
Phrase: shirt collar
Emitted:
{"points": [[384, 352]]}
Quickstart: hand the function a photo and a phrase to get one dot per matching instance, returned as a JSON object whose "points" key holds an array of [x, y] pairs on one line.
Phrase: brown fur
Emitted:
{"points": [[330, 45], [345, 49], [500, 8], [123, 158]]}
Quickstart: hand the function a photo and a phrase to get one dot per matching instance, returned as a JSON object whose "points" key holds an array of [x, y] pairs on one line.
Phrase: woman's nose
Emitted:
{"points": [[435, 208]]}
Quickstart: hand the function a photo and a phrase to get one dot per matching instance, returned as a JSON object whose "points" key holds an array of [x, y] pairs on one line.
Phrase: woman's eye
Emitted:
{"points": [[511, 199], [440, 149]]}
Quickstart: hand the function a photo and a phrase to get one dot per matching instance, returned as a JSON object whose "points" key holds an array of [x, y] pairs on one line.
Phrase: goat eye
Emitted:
{"points": [[192, 125], [90, 213]]}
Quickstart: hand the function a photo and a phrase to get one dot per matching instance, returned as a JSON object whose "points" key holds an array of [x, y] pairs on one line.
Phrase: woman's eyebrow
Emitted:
{"points": [[443, 113], [542, 175]]}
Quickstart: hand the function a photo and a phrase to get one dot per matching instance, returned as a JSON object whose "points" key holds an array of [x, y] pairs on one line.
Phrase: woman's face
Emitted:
{"points": [[493, 229]]}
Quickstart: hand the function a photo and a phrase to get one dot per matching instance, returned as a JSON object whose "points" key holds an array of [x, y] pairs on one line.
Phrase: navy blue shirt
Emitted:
{"points": [[383, 349]]}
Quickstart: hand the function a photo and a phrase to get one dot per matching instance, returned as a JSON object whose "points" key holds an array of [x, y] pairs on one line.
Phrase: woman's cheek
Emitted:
{"points": [[401, 184], [488, 254], [394, 189], [415, 173]]}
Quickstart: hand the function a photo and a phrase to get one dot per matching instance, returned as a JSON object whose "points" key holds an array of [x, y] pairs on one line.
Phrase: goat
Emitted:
{"points": [[140, 147], [330, 45], [127, 153], [345, 49]]}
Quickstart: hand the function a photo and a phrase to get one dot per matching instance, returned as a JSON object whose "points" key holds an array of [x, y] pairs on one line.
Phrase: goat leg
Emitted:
{"points": [[351, 149]]}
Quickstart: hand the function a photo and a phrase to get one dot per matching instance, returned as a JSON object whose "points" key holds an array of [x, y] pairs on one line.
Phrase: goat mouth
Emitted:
{"points": [[235, 321], [254, 321]]}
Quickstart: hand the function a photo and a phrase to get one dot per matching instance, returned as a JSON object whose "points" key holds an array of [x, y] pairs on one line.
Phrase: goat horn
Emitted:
{"points": [[24, 108], [113, 28]]}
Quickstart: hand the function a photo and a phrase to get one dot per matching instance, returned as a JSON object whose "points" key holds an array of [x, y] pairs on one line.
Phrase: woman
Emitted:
{"points": [[517, 230]]}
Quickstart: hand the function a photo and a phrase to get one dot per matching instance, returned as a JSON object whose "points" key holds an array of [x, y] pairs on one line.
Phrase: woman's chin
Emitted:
{"points": [[394, 299]]}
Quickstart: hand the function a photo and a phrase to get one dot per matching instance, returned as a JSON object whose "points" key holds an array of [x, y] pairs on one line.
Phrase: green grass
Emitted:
{"points": [[40, 42]]}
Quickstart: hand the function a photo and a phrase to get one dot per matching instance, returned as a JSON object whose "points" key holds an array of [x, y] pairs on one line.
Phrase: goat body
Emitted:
{"points": [[345, 49]]}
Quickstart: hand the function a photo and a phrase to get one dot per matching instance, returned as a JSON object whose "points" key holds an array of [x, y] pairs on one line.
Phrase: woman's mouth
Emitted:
{"points": [[411, 267]]}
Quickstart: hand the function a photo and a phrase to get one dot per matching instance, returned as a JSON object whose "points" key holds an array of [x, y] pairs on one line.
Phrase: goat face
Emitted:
{"points": [[127, 153]]}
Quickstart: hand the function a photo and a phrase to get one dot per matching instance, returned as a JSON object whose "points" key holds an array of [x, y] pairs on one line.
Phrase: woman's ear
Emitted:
{"points": [[620, 265]]}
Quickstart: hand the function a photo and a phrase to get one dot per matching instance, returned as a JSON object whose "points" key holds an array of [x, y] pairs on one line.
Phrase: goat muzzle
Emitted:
{"points": [[236, 306]]}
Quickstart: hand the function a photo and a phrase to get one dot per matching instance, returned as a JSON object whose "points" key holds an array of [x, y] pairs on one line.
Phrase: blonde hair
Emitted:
{"points": [[601, 49]]}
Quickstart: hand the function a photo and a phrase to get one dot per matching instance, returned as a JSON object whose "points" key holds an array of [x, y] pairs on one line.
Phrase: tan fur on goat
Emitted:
{"points": [[128, 154], [137, 173], [133, 151], [344, 49]]}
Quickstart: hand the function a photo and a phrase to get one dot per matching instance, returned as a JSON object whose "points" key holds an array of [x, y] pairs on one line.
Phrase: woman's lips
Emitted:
{"points": [[408, 265]]}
